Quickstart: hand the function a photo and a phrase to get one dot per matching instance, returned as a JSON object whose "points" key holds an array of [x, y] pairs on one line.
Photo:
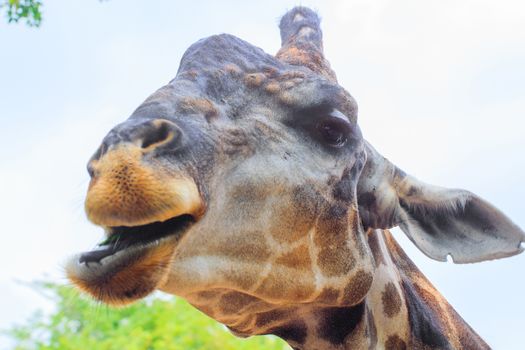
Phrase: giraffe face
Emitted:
{"points": [[239, 175]]}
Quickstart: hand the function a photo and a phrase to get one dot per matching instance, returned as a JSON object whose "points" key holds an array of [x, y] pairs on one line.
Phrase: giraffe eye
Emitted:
{"points": [[334, 131]]}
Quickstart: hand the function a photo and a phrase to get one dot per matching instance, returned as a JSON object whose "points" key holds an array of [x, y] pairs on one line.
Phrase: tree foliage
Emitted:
{"points": [[152, 324], [23, 10]]}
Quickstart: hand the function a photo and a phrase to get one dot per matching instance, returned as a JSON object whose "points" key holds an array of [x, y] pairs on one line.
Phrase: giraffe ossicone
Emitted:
{"points": [[246, 187]]}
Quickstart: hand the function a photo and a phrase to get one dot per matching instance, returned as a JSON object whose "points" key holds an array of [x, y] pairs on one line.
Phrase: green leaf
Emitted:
{"points": [[23, 10]]}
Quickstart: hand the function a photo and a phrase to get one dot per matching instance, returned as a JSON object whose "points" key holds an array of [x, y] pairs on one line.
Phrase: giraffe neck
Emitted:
{"points": [[402, 310], [433, 322], [380, 321]]}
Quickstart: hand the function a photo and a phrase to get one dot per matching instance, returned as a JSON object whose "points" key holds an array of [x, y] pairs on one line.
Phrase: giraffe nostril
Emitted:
{"points": [[163, 131]]}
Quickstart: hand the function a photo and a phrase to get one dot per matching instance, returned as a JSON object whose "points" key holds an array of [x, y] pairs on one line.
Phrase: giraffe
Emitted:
{"points": [[246, 187]]}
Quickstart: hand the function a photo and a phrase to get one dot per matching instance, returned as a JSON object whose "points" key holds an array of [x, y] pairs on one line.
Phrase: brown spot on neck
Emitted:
{"points": [[357, 288], [395, 343], [391, 300], [337, 323]]}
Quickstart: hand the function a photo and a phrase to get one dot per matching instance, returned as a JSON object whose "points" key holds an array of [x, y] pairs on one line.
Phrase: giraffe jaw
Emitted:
{"points": [[131, 263]]}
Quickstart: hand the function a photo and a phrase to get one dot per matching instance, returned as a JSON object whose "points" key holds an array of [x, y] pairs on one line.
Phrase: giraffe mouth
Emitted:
{"points": [[136, 255], [131, 262], [120, 238]]}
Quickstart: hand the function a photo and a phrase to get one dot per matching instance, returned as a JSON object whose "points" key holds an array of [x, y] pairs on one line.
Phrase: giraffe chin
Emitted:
{"points": [[132, 266]]}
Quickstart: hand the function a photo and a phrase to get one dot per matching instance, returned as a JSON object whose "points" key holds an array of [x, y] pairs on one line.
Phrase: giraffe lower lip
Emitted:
{"points": [[123, 237]]}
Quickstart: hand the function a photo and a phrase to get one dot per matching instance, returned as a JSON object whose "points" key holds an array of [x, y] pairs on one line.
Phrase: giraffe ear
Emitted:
{"points": [[439, 221]]}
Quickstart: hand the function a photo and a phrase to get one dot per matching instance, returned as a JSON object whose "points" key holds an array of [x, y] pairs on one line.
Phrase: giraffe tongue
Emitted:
{"points": [[122, 237], [97, 254]]}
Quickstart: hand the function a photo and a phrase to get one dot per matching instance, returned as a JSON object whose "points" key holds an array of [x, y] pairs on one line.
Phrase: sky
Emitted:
{"points": [[440, 87]]}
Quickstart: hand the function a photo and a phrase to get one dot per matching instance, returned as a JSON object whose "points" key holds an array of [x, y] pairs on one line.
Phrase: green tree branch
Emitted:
{"points": [[22, 10]]}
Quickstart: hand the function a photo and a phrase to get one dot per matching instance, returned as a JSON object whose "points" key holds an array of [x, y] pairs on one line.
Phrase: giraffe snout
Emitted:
{"points": [[130, 186], [148, 136]]}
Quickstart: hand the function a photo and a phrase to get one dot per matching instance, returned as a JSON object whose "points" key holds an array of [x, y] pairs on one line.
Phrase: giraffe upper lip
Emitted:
{"points": [[123, 237]]}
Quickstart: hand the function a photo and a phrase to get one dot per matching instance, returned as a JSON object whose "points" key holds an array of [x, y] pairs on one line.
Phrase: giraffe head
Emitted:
{"points": [[248, 176]]}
